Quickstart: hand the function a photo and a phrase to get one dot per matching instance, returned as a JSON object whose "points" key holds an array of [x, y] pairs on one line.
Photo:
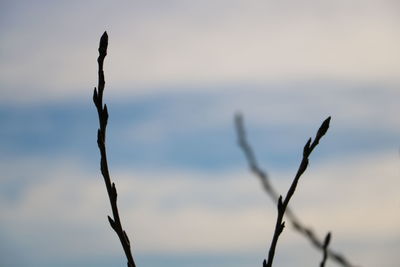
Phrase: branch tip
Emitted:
{"points": [[327, 239], [112, 222], [238, 117], [103, 44], [324, 128], [114, 190], [102, 111], [270, 190]]}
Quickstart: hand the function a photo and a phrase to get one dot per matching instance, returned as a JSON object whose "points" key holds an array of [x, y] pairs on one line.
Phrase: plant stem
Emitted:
{"points": [[282, 205], [115, 222], [307, 232]]}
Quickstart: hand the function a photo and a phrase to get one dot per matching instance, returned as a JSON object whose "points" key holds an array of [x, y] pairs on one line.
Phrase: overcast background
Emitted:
{"points": [[176, 73]]}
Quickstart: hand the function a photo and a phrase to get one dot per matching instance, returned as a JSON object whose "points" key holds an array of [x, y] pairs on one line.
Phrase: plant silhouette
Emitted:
{"points": [[282, 203], [115, 222]]}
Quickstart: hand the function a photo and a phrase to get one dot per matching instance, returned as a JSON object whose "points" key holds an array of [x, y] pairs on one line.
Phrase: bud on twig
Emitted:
{"points": [[103, 44]]}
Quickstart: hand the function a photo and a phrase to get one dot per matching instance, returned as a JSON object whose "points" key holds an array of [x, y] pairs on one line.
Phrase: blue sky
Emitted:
{"points": [[176, 74]]}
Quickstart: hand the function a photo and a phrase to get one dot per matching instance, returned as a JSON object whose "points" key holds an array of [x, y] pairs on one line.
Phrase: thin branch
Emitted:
{"points": [[308, 148], [115, 222], [270, 190], [325, 248]]}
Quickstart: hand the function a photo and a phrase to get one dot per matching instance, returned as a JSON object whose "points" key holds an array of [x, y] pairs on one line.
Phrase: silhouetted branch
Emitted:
{"points": [[308, 148], [325, 248], [115, 222], [270, 190]]}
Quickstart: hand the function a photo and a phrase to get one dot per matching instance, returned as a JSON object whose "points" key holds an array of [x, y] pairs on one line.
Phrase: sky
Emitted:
{"points": [[176, 74]]}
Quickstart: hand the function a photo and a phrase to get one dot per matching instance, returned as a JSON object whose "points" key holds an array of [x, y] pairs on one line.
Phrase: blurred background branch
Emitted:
{"points": [[298, 226]]}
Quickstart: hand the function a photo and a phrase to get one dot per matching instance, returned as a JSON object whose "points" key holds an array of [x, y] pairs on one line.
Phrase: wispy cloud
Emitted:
{"points": [[189, 130], [154, 46], [175, 74], [170, 211]]}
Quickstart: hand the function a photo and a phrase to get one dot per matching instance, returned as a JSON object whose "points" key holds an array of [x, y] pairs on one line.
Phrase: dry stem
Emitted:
{"points": [[308, 148], [101, 138], [270, 190]]}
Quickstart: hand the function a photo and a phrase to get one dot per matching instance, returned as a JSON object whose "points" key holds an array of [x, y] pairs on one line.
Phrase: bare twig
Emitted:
{"points": [[270, 190], [325, 247], [115, 222], [308, 148]]}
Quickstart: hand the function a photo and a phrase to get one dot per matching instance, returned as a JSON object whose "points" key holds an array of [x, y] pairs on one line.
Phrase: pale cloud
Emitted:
{"points": [[158, 47], [355, 110], [288, 63], [175, 211]]}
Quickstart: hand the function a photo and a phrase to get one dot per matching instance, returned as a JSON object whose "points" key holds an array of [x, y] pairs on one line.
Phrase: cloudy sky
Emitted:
{"points": [[176, 73]]}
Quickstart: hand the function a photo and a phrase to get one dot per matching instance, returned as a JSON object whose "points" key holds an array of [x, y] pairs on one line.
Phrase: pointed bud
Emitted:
{"points": [[323, 129], [103, 44], [327, 240], [111, 221]]}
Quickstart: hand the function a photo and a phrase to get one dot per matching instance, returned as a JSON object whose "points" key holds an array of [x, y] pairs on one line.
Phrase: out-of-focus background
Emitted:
{"points": [[176, 73]]}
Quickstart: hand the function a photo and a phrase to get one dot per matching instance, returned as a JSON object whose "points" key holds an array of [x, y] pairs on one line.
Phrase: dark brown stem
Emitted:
{"points": [[270, 190], [308, 148], [282, 205], [115, 222]]}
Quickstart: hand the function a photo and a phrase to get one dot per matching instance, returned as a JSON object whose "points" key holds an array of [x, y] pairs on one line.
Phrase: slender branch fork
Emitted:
{"points": [[325, 249], [282, 204], [115, 222], [270, 190]]}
